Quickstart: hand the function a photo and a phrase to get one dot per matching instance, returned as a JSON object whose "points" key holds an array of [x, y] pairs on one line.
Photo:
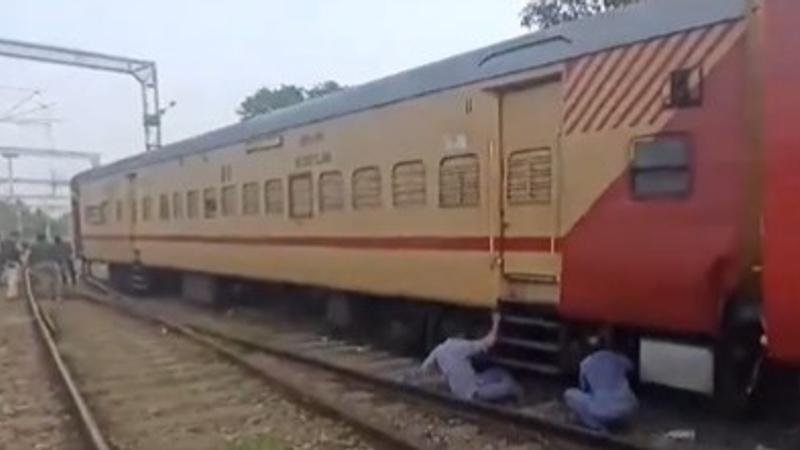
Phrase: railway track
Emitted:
{"points": [[541, 416], [367, 380], [139, 386], [33, 413]]}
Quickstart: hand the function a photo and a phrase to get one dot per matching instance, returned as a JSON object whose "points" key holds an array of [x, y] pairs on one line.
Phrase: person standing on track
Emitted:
{"points": [[11, 256], [63, 251], [44, 264], [604, 399]]}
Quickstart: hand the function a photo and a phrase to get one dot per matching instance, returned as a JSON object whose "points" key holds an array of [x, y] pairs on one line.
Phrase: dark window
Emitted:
{"points": [[530, 177], [163, 207], [147, 209], [331, 191], [210, 203], [408, 184], [459, 181], [685, 88], [273, 197], [228, 201], [661, 168], [177, 205], [367, 188], [250, 199], [118, 209], [301, 196], [192, 204]]}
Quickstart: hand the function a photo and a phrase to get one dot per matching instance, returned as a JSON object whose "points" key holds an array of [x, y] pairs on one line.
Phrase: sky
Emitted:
{"points": [[210, 55]]}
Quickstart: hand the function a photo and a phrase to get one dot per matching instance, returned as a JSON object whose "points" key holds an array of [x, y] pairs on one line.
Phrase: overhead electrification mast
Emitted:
{"points": [[143, 71]]}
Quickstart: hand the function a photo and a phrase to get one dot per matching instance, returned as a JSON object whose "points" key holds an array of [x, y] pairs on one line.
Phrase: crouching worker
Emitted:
{"points": [[453, 360], [604, 401]]}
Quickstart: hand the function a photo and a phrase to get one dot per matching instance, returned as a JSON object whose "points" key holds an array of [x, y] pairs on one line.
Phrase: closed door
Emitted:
{"points": [[530, 120]]}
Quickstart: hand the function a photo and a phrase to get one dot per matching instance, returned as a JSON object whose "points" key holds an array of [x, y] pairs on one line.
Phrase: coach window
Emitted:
{"points": [[273, 197], [192, 204], [301, 196], [147, 209], [228, 202], [459, 181], [209, 203], [367, 188], [250, 199], [177, 206], [163, 207], [331, 191], [530, 177], [134, 207], [661, 168], [408, 184]]}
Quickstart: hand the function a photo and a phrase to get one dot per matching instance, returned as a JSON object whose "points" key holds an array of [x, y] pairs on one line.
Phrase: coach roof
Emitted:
{"points": [[646, 20]]}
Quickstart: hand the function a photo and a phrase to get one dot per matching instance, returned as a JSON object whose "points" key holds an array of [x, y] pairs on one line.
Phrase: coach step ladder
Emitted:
{"points": [[528, 339]]}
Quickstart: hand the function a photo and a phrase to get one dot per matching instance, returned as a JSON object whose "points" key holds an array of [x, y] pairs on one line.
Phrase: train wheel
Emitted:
{"points": [[737, 367]]}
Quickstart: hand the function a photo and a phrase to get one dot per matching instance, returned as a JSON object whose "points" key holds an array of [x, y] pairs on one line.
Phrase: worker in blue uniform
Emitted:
{"points": [[453, 360], [604, 401]]}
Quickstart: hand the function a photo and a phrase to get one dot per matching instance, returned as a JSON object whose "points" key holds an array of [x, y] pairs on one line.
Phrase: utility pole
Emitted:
{"points": [[143, 71], [9, 156]]}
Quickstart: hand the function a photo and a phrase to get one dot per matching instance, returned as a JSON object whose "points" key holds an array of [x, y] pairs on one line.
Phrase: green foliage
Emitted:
{"points": [[546, 13], [267, 100]]}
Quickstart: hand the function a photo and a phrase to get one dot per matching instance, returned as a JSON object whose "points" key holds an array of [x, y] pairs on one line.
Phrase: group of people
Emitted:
{"points": [[602, 401], [51, 264]]}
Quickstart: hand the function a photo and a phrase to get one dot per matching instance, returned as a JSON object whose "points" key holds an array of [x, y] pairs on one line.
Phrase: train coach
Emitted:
{"points": [[633, 169]]}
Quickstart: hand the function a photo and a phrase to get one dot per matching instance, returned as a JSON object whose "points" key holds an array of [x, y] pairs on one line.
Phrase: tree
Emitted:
{"points": [[546, 13], [267, 100], [323, 89]]}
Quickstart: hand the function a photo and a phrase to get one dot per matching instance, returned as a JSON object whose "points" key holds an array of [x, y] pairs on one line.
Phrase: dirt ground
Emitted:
{"points": [[33, 415], [154, 390]]}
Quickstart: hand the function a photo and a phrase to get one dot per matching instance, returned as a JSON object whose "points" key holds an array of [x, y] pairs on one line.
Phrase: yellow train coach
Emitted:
{"points": [[597, 172]]}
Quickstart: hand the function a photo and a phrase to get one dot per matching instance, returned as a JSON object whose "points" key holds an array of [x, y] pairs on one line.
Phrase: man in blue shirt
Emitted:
{"points": [[604, 399], [453, 360]]}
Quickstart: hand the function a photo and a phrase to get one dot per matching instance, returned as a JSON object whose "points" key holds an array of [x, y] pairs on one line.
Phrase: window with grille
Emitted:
{"points": [[177, 206], [250, 199], [163, 207], [367, 188], [530, 177], [661, 168], [408, 184], [301, 196], [192, 205], [210, 203], [331, 191], [147, 209], [96, 214], [228, 201], [459, 181], [273, 197]]}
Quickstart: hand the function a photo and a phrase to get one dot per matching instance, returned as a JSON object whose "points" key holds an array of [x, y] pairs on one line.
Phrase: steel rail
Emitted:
{"points": [[467, 409], [90, 428], [378, 432]]}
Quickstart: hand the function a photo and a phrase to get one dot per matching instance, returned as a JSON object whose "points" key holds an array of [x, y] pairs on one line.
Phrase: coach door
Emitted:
{"points": [[530, 120]]}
